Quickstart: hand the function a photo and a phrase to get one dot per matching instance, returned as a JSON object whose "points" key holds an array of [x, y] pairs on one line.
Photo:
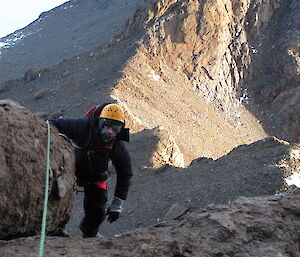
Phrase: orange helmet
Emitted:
{"points": [[113, 112]]}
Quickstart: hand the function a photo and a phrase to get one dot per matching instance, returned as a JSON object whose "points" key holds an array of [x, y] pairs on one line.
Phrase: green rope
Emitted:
{"points": [[43, 232]]}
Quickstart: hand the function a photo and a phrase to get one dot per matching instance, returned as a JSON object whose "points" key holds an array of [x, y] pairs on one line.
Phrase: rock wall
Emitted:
{"points": [[23, 142], [208, 69], [206, 42], [189, 73]]}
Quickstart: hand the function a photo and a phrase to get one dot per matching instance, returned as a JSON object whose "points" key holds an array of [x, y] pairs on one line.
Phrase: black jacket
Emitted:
{"points": [[92, 157]]}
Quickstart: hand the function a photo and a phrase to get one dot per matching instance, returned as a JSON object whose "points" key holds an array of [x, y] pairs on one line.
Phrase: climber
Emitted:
{"points": [[96, 140]]}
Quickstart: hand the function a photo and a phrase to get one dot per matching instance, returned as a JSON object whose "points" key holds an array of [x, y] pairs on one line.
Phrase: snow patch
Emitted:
{"points": [[254, 50], [294, 179], [67, 7], [2, 44], [12, 41], [295, 153], [155, 76]]}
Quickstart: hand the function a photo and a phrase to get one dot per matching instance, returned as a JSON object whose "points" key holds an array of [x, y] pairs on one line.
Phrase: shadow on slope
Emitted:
{"points": [[274, 83]]}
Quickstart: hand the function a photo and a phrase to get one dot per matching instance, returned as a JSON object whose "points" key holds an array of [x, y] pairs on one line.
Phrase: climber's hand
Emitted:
{"points": [[112, 215], [114, 209]]}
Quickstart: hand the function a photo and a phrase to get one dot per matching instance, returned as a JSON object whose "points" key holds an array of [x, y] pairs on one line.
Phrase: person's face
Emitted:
{"points": [[109, 129]]}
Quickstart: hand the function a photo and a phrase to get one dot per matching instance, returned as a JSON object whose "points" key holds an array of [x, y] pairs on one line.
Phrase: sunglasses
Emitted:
{"points": [[114, 124]]}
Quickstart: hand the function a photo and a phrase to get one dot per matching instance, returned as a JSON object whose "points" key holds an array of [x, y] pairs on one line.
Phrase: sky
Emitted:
{"points": [[16, 14]]}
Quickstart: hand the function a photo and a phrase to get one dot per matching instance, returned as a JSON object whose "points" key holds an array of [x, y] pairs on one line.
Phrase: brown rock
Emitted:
{"points": [[23, 140], [255, 227]]}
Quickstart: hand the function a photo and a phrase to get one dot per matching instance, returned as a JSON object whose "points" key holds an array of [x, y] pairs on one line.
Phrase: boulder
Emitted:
{"points": [[23, 144], [33, 74]]}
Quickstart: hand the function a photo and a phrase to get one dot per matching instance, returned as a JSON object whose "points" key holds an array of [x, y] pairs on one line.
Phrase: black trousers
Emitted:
{"points": [[95, 200]]}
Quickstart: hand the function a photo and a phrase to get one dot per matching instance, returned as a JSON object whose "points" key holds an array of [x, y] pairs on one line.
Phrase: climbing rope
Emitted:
{"points": [[43, 232]]}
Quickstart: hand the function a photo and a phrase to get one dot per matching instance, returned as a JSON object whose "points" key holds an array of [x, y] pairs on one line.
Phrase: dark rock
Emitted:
{"points": [[33, 74], [7, 85], [41, 93], [66, 74], [176, 211], [55, 115]]}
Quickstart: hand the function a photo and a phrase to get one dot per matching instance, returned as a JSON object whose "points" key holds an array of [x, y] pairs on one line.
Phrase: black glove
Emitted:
{"points": [[112, 216], [114, 209]]}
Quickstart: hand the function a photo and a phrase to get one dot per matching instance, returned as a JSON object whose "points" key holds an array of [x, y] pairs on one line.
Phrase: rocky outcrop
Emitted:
{"points": [[253, 227], [23, 141], [187, 80], [33, 74], [153, 149], [214, 49]]}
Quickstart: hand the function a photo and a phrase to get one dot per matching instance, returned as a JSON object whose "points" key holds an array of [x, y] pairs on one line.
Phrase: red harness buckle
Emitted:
{"points": [[102, 185]]}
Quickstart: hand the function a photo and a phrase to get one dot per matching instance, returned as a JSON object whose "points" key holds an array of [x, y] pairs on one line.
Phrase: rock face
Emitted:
{"points": [[275, 81], [255, 227], [214, 74], [23, 141], [221, 51]]}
